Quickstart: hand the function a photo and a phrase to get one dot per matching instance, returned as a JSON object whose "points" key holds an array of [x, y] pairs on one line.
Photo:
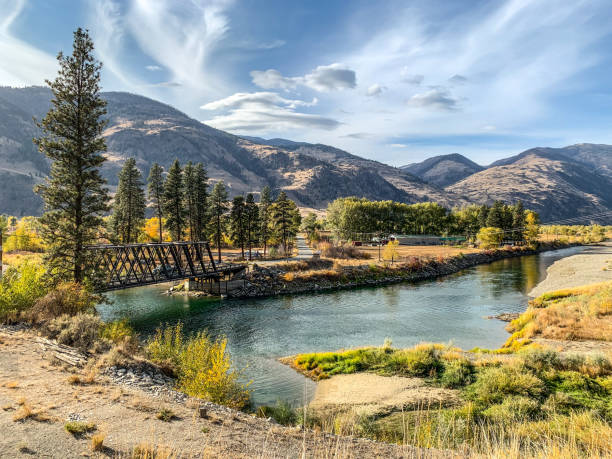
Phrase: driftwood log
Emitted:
{"points": [[61, 352]]}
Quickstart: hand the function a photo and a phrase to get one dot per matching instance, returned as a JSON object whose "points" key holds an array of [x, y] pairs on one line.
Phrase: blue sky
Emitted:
{"points": [[395, 81]]}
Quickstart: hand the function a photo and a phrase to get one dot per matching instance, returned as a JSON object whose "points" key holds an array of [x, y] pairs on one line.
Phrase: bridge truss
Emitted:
{"points": [[119, 267]]}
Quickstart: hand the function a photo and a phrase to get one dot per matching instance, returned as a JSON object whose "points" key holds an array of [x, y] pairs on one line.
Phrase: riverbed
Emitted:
{"points": [[259, 331]]}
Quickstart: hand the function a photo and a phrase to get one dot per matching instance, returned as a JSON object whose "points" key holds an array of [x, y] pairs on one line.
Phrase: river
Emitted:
{"points": [[447, 309]]}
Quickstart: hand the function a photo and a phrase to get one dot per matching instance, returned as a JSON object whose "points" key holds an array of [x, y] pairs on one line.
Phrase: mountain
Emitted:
{"points": [[551, 181], [444, 170], [151, 131]]}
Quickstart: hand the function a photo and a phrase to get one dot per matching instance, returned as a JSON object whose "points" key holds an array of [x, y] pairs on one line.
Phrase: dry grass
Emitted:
{"points": [[12, 384], [571, 314], [433, 251], [97, 442], [27, 412], [149, 451]]}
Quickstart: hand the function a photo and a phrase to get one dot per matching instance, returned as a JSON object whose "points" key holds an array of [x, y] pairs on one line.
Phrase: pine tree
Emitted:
{"points": [[129, 206], [265, 202], [74, 194], [201, 202], [238, 223], [174, 192], [189, 177], [483, 213], [495, 218], [518, 220], [285, 219], [156, 195], [218, 205], [252, 223]]}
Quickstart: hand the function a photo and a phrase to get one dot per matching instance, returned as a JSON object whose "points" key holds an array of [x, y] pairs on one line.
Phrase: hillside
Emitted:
{"points": [[444, 170], [150, 131], [553, 184]]}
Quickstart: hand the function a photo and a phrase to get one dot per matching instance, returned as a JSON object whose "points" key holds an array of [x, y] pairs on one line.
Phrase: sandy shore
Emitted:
{"points": [[591, 266]]}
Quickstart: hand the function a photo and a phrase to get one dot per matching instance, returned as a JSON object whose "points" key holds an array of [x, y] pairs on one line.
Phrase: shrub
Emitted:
{"points": [[80, 331], [202, 364], [513, 409], [282, 413], [457, 373], [20, 287], [67, 298], [343, 252], [166, 415], [77, 428], [117, 331], [494, 384], [489, 237]]}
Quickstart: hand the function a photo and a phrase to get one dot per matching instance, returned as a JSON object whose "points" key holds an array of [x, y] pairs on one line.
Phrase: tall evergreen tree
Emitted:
{"points": [[285, 219], [74, 194], [156, 195], [218, 205], [190, 180], [495, 218], [129, 206], [201, 202], [265, 202], [252, 223], [174, 195], [518, 220], [483, 213], [238, 223]]}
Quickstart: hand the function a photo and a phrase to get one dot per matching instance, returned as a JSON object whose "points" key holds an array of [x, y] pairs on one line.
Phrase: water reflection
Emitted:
{"points": [[261, 330]]}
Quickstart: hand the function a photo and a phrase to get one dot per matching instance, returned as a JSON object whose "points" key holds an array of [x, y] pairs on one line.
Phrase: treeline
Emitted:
{"points": [[184, 209], [352, 217]]}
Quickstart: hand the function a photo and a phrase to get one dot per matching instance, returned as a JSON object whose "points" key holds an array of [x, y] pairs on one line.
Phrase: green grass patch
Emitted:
{"points": [[78, 428]]}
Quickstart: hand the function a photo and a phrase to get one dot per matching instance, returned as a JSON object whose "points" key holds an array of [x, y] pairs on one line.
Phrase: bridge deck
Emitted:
{"points": [[133, 265]]}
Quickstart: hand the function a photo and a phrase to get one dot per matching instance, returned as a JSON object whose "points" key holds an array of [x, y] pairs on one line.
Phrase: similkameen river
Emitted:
{"points": [[449, 309]]}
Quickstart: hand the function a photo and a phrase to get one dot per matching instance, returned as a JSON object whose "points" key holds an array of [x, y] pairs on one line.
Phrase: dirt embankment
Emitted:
{"points": [[592, 265], [38, 395]]}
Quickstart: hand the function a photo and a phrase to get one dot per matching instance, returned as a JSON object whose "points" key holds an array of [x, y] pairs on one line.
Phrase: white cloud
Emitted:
{"points": [[21, 63], [458, 79], [411, 78], [437, 98], [177, 36], [375, 90], [265, 112], [153, 68], [324, 78], [398, 145]]}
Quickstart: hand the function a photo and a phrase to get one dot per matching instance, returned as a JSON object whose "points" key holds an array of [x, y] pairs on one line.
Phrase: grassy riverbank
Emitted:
{"points": [[533, 402]]}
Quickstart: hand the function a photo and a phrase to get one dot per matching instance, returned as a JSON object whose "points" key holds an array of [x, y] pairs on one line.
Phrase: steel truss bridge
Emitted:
{"points": [[119, 267]]}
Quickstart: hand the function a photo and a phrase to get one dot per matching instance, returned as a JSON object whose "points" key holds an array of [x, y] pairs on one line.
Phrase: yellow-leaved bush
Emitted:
{"points": [[20, 287], [202, 365]]}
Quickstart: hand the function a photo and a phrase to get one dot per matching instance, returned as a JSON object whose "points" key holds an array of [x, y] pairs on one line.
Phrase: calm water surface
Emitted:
{"points": [[449, 309]]}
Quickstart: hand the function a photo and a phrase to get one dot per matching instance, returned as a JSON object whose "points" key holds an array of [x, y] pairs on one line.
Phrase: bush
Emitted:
{"points": [[81, 331], [118, 331], [422, 360], [68, 298], [20, 287], [343, 252], [494, 384], [513, 409], [77, 428], [282, 413], [457, 373], [490, 237], [202, 364]]}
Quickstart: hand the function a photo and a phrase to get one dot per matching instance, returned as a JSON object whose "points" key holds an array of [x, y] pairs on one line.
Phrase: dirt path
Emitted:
{"points": [[128, 417], [372, 394], [591, 266]]}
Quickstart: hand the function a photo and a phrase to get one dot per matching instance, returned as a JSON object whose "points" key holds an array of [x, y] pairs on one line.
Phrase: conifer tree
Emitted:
{"points": [[174, 195], [129, 206], [238, 223], [189, 177], [252, 223], [156, 195], [74, 194], [483, 213], [218, 205], [201, 202], [518, 220], [285, 219], [495, 218], [265, 202]]}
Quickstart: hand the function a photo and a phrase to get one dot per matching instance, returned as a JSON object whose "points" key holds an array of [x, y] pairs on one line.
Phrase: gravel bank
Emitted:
{"points": [[591, 266]]}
